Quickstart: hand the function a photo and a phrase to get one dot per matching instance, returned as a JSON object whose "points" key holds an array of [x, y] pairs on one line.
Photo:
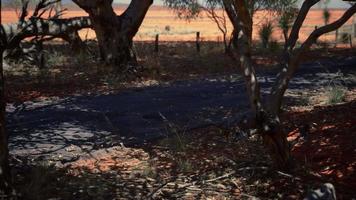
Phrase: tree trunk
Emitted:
{"points": [[74, 40], [275, 139], [267, 123], [5, 176], [115, 33], [114, 46]]}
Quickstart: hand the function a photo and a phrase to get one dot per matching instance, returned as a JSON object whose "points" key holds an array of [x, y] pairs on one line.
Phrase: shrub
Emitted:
{"points": [[286, 20], [336, 94], [167, 28], [326, 16], [55, 59], [265, 33], [345, 38], [273, 46]]}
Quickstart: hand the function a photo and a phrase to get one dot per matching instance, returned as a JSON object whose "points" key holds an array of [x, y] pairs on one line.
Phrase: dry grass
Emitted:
{"points": [[175, 61], [204, 165], [209, 167]]}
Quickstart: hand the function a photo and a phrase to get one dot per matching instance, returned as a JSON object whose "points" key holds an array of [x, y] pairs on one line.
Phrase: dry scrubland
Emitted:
{"points": [[209, 164], [165, 22]]}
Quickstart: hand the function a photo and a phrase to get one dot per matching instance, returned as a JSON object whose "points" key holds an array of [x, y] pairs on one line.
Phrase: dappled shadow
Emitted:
{"points": [[78, 124], [41, 181], [207, 165], [63, 129], [88, 135], [328, 151], [210, 163]]}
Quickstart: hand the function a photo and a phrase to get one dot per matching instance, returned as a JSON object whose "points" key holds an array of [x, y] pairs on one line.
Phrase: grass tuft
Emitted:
{"points": [[184, 165], [336, 94]]}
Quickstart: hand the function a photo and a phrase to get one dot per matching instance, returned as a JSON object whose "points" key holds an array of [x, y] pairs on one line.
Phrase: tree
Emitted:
{"points": [[45, 27], [11, 36], [191, 9], [212, 9], [286, 20], [266, 113], [5, 174], [265, 33], [115, 33]]}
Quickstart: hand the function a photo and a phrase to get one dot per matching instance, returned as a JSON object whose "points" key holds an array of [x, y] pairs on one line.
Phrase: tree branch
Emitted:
{"points": [[294, 34], [292, 63], [13, 34], [328, 28], [133, 16]]}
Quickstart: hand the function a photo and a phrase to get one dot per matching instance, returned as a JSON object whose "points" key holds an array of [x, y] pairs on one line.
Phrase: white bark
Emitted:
{"points": [[13, 34]]}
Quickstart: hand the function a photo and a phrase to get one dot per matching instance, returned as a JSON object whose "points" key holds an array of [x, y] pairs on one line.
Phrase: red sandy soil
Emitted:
{"points": [[330, 149], [327, 155], [159, 18]]}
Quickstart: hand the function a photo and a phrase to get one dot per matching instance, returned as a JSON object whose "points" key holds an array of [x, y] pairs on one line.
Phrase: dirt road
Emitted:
{"points": [[62, 129]]}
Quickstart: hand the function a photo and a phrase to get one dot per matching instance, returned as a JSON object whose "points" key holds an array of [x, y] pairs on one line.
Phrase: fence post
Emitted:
{"points": [[157, 43], [198, 42], [350, 40], [353, 27], [336, 36]]}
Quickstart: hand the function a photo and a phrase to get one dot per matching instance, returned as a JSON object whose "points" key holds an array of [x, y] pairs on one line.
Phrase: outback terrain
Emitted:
{"points": [[177, 125], [165, 22]]}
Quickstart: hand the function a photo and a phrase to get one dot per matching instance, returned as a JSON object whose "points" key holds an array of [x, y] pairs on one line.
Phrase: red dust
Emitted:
{"points": [[329, 150]]}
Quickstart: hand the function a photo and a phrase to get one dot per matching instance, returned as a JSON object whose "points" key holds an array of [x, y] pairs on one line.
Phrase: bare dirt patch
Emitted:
{"points": [[213, 163]]}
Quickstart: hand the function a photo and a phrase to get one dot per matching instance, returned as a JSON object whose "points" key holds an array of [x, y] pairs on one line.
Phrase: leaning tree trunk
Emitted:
{"points": [[115, 33], [290, 64], [267, 123]]}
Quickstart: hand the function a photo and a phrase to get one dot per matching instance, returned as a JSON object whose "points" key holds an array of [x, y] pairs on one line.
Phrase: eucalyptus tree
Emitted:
{"points": [[11, 36], [267, 111], [115, 33]]}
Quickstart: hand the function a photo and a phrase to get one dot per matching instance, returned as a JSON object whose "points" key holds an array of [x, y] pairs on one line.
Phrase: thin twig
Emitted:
{"points": [[155, 191], [249, 196], [220, 177], [251, 168], [287, 175]]}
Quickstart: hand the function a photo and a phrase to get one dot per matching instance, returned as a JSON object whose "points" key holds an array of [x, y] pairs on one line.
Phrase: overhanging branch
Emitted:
{"points": [[294, 34], [328, 28], [13, 34]]}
